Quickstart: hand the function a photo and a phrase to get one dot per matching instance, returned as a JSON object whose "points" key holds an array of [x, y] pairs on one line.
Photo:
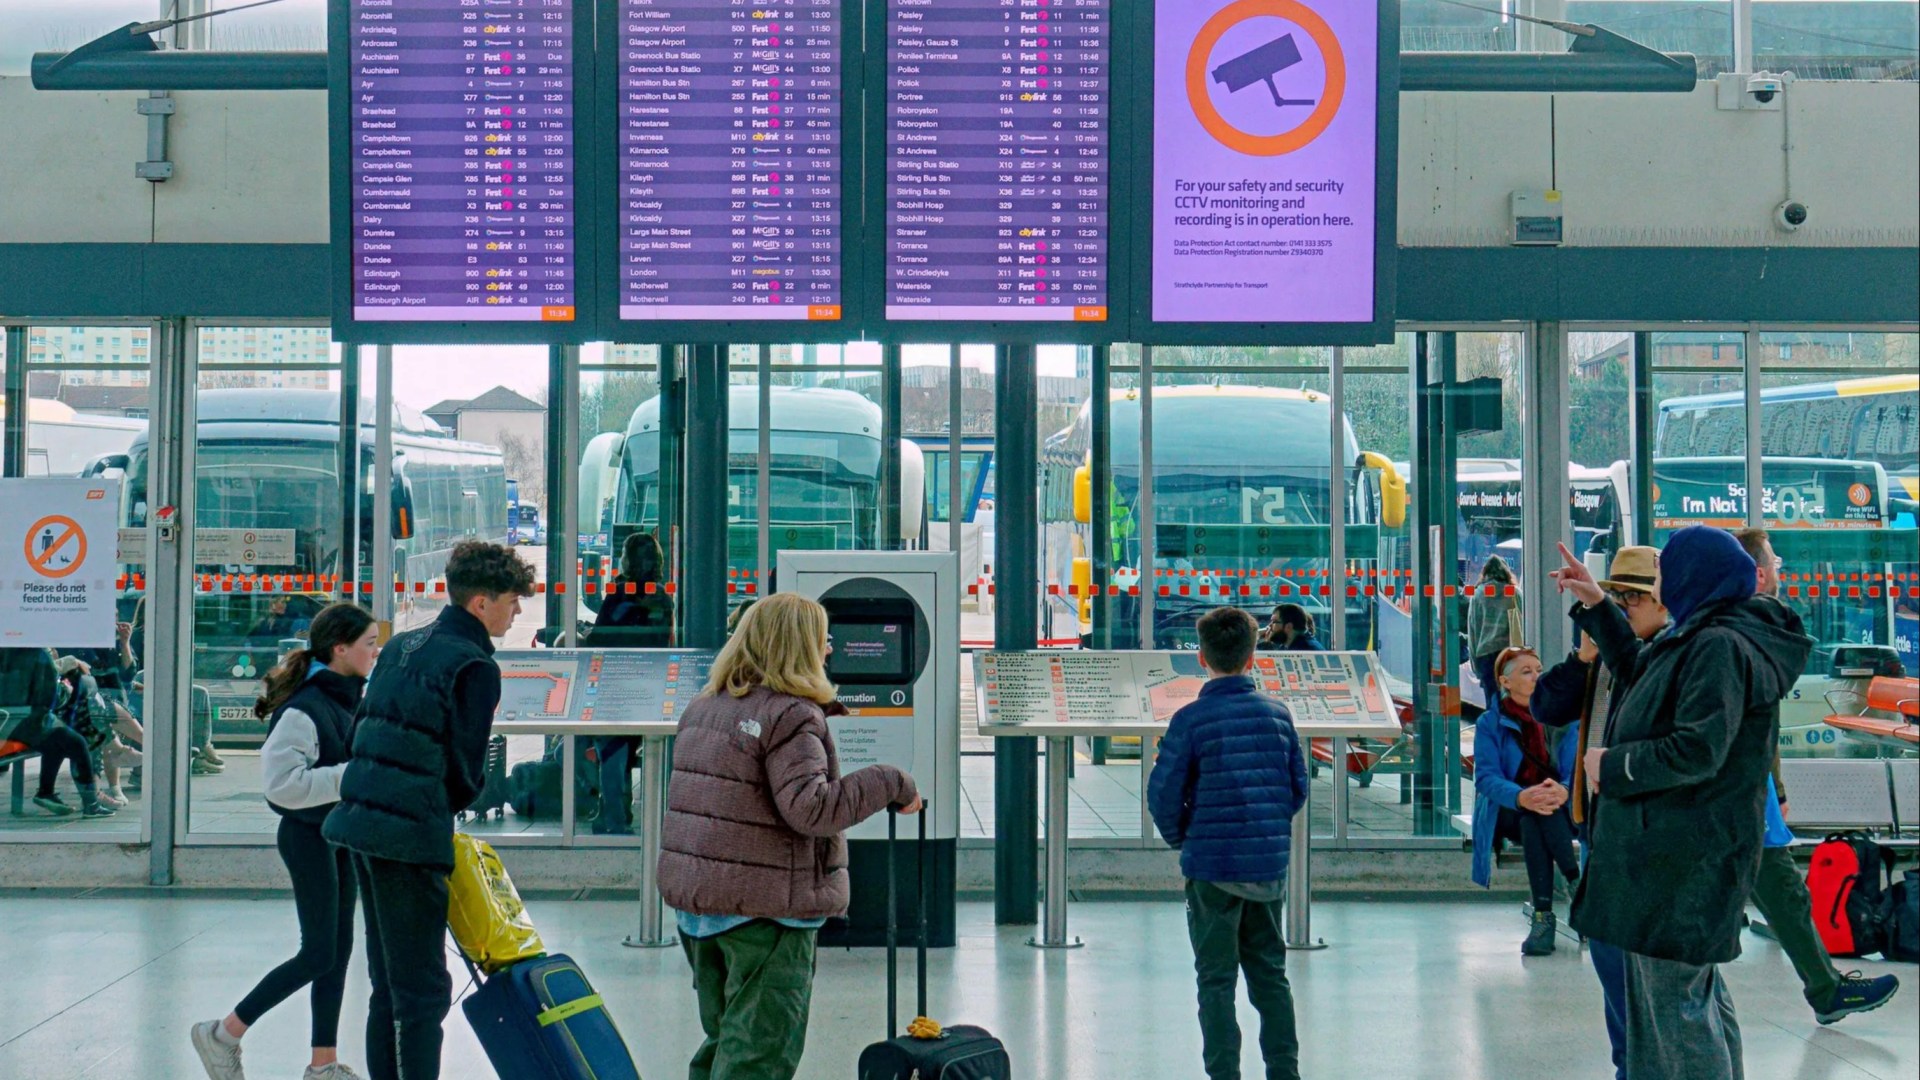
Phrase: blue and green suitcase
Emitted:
{"points": [[541, 1020]]}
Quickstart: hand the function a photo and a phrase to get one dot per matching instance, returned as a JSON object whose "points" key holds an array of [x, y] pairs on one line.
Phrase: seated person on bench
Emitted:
{"points": [[29, 686], [1521, 791]]}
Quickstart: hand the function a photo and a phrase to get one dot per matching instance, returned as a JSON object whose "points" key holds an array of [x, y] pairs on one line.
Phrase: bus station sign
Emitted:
{"points": [[221, 547]]}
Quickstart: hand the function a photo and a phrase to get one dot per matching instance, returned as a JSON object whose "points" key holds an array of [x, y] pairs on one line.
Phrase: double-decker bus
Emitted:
{"points": [[270, 460], [64, 442], [823, 477], [1241, 494]]}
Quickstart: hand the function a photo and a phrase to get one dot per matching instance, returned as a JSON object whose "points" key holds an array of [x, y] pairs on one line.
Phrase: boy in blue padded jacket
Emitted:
{"points": [[1230, 776]]}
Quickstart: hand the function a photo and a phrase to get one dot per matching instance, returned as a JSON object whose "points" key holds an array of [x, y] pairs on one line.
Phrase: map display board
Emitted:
{"points": [[996, 156], [609, 685], [457, 189], [1135, 689], [1271, 198], [729, 129]]}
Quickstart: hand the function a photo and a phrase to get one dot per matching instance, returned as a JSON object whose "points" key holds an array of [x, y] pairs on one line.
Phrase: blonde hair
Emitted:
{"points": [[780, 644]]}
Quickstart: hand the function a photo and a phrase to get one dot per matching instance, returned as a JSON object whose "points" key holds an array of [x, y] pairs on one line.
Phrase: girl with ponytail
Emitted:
{"points": [[309, 704]]}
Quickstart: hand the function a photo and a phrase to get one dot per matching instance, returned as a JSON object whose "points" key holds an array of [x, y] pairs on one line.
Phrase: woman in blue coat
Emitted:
{"points": [[1520, 791]]}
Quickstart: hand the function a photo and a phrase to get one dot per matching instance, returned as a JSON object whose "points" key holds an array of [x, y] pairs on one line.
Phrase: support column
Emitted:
{"points": [[382, 539], [1100, 468], [13, 437], [1016, 574], [1741, 12], [168, 651], [1756, 442], [1640, 451], [1435, 543], [347, 464], [563, 491], [703, 592], [890, 509], [1545, 492]]}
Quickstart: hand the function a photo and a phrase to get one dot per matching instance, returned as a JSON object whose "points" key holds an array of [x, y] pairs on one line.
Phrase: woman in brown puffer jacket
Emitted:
{"points": [[751, 855]]}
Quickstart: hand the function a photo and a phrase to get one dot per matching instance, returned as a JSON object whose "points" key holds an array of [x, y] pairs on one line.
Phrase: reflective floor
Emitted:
{"points": [[104, 988]]}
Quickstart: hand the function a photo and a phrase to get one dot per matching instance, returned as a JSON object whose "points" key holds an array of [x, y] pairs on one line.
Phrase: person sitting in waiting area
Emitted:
{"points": [[1520, 791], [29, 687], [1230, 777], [635, 614], [1291, 629]]}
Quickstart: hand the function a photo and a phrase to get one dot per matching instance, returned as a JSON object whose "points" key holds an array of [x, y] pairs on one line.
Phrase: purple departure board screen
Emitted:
{"points": [[461, 129], [997, 171], [730, 127]]}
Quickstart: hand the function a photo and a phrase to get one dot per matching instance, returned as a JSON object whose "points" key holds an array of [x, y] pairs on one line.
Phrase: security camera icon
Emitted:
{"points": [[1261, 65]]}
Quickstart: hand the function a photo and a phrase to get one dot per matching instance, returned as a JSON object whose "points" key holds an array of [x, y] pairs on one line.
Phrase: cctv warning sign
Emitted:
{"points": [[57, 566], [1264, 160]]}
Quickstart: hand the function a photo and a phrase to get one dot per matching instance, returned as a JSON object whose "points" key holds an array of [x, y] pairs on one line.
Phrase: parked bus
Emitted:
{"points": [[976, 499], [823, 470], [63, 442], [269, 460]]}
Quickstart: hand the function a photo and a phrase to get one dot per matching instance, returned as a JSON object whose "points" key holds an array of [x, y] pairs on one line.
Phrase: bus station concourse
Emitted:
{"points": [[1018, 336]]}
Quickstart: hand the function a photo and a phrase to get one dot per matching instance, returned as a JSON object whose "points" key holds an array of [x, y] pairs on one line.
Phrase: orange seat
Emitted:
{"points": [[1878, 726], [1898, 696], [10, 748]]}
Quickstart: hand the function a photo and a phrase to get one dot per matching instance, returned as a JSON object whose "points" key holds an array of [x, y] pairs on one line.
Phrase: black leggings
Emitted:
{"points": [[323, 892], [58, 744], [1547, 841]]}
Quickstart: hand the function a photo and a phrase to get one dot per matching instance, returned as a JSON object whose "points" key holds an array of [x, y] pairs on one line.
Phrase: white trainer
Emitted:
{"points": [[335, 1071], [220, 1059]]}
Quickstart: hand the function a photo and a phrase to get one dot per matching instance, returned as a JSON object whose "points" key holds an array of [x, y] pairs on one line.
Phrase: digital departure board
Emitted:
{"points": [[456, 185], [996, 160], [730, 126]]}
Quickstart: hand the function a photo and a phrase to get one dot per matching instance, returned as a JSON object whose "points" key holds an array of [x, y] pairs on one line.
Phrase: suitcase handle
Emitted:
{"points": [[893, 920]]}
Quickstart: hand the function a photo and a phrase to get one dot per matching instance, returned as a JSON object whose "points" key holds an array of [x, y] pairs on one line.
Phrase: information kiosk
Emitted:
{"points": [[895, 621]]}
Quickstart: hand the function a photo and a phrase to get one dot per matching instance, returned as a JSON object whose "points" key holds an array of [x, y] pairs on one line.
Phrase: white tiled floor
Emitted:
{"points": [[104, 988]]}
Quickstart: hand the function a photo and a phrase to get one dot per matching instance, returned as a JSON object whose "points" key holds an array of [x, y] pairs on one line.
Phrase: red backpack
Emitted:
{"points": [[1846, 879]]}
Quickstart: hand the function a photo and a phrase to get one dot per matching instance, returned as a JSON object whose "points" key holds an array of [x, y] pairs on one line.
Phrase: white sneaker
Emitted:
{"points": [[113, 798], [220, 1059], [335, 1071]]}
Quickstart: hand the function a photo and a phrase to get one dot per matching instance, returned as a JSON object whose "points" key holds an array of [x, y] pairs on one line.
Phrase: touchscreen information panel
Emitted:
{"points": [[729, 187], [996, 159], [461, 135]]}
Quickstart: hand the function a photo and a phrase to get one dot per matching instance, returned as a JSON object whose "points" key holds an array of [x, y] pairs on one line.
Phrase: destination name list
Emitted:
{"points": [[997, 159], [730, 177], [462, 168]]}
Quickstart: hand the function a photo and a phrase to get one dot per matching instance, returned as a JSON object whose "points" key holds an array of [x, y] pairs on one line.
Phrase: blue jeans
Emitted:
{"points": [[1610, 965]]}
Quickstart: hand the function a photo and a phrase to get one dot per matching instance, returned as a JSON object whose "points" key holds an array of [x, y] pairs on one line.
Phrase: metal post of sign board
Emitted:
{"points": [[1053, 932], [383, 415], [652, 932], [168, 652]]}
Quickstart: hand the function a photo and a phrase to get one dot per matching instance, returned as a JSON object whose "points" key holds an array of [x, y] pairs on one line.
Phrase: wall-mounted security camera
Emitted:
{"points": [[1762, 90], [1765, 86], [1790, 215]]}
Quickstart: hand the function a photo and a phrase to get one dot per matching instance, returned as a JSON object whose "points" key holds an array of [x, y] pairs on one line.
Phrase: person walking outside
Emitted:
{"points": [[1617, 617], [419, 757], [1676, 843], [1230, 776], [1520, 792], [308, 705], [752, 858], [1490, 622], [1779, 891]]}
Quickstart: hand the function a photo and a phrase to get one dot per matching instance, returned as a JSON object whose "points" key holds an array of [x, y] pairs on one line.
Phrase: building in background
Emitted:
{"points": [[511, 421]]}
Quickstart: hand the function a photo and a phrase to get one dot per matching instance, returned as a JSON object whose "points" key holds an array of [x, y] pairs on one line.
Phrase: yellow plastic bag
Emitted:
{"points": [[489, 922]]}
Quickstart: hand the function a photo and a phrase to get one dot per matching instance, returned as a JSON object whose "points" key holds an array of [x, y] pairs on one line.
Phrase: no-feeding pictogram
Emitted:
{"points": [[56, 546]]}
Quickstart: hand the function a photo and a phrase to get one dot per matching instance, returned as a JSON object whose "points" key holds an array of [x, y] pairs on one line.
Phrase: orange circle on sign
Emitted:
{"points": [[1859, 495], [1316, 122], [72, 531]]}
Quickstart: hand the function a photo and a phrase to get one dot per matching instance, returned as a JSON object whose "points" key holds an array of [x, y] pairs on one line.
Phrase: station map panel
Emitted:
{"points": [[1144, 688], [996, 159], [594, 684], [461, 177], [730, 187]]}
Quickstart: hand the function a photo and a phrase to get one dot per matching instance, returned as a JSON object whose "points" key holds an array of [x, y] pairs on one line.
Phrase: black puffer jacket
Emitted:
{"points": [[29, 684], [1676, 840], [420, 744]]}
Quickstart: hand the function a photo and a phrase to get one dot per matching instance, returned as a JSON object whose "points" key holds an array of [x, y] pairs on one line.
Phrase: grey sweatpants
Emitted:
{"points": [[1680, 1022]]}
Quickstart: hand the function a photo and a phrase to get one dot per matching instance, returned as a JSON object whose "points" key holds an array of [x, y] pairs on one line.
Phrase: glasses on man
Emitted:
{"points": [[1626, 597]]}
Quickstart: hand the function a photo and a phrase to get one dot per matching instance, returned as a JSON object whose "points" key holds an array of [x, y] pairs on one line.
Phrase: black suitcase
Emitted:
{"points": [[962, 1052]]}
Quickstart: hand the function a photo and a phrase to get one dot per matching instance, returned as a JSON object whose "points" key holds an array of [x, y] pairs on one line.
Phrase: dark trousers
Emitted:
{"points": [[755, 984], [1782, 897], [1610, 966], [59, 744], [1231, 935], [1680, 1022], [323, 894], [616, 794], [1483, 671], [1546, 840], [406, 912]]}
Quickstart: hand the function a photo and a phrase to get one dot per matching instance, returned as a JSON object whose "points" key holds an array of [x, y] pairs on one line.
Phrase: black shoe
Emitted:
{"points": [[1857, 995], [1540, 939]]}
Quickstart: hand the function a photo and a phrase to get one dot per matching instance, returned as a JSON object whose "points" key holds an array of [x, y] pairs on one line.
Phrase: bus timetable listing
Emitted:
{"points": [[462, 170], [730, 186], [996, 157]]}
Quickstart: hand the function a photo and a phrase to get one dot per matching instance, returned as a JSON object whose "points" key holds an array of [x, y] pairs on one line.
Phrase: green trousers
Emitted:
{"points": [[1230, 936], [1781, 896], [755, 984]]}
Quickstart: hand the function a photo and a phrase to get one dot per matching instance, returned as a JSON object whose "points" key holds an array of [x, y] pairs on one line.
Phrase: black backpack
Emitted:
{"points": [[1900, 919]]}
